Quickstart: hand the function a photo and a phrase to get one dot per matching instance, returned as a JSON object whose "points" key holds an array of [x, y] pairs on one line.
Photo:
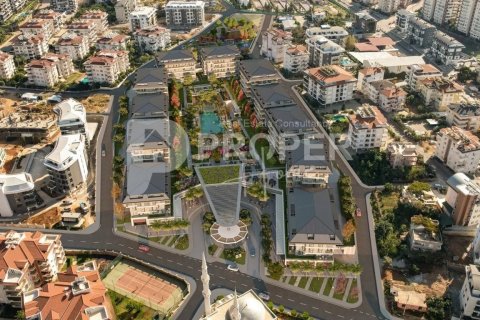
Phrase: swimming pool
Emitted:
{"points": [[210, 123]]}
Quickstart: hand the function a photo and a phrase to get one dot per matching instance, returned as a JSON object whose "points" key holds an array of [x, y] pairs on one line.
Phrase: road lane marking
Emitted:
{"points": [[130, 248], [149, 254], [108, 242], [169, 260], [315, 308], [95, 242], [189, 267], [83, 241], [221, 277], [243, 284], [326, 311], [180, 264], [121, 245], [158, 257], [340, 316], [278, 296], [291, 300], [70, 240], [303, 304]]}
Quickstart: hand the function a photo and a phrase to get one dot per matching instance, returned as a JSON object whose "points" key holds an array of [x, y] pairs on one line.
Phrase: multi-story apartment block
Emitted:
{"points": [[274, 44], [441, 11], [256, 72], [462, 200], [78, 293], [219, 60], [148, 159], [3, 157], [476, 248], [30, 47], [458, 149], [6, 10], [63, 62], [153, 39], [275, 107], [107, 65], [367, 75], [7, 66], [112, 41], [388, 6], [323, 51], [64, 5], [49, 70], [296, 59], [57, 18], [84, 28], [99, 18], [386, 95], [335, 33], [469, 18], [185, 14], [419, 72], [464, 115], [420, 32], [151, 80], [439, 92], [402, 17], [367, 129], [38, 27], [425, 234], [142, 17], [470, 293], [72, 117], [30, 259], [17, 194], [178, 64], [445, 49], [31, 128], [329, 84], [67, 164], [123, 9], [402, 155], [74, 45], [364, 22], [149, 106]]}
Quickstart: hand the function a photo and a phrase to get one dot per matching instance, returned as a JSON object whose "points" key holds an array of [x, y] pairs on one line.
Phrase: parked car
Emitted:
{"points": [[358, 212], [67, 202], [232, 267], [264, 296], [143, 248], [252, 252], [83, 207]]}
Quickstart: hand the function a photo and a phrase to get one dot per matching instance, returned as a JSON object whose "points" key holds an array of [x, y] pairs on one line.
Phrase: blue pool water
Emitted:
{"points": [[210, 123]]}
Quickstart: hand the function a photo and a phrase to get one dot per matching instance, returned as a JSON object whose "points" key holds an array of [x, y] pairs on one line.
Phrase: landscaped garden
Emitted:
{"points": [[128, 309], [236, 255], [219, 174]]}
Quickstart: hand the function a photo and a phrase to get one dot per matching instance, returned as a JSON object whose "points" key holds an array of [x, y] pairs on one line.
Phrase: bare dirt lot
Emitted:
{"points": [[96, 103], [48, 218]]}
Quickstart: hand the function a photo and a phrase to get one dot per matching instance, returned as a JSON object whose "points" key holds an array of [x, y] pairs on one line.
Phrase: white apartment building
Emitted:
{"points": [[185, 14], [441, 11], [469, 18], [401, 20], [64, 5], [439, 92], [17, 194], [74, 45], [123, 9], [38, 27], [329, 84], [388, 6], [462, 200], [153, 39], [274, 44], [30, 47], [7, 66], [67, 164], [31, 259], [470, 293], [458, 149], [476, 248], [3, 157], [71, 117], [464, 115], [296, 59], [335, 33], [402, 155], [99, 18], [178, 63], [323, 52], [419, 72], [386, 95], [107, 65], [219, 60], [49, 70], [142, 17], [6, 10], [445, 49], [367, 75], [112, 41], [367, 129], [57, 18], [84, 28]]}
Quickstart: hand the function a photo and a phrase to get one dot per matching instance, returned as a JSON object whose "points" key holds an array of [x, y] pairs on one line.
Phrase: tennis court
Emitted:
{"points": [[140, 284]]}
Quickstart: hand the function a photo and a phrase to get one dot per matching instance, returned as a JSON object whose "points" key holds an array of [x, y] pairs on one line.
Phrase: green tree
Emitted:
{"points": [[275, 270], [123, 112], [20, 315], [188, 80], [350, 42], [417, 187], [438, 308]]}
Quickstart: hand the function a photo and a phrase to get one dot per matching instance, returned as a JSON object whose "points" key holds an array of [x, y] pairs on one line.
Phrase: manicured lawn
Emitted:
{"points": [[182, 243], [174, 238], [328, 287], [303, 282], [165, 240], [352, 297], [390, 201], [219, 174], [212, 249], [120, 303], [316, 284], [292, 280], [240, 260], [338, 295]]}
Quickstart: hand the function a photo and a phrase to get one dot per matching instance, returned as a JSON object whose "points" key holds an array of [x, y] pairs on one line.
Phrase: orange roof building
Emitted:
{"points": [[367, 129], [77, 294]]}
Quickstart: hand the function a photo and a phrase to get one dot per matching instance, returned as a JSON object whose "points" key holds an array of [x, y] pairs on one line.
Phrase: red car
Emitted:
{"points": [[358, 213], [144, 248]]}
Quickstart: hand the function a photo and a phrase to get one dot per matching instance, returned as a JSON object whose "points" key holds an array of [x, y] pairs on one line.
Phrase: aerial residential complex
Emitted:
{"points": [[184, 14]]}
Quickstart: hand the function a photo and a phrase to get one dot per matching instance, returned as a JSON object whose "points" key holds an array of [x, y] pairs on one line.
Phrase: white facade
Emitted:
{"points": [[470, 293], [30, 47], [367, 129], [74, 45], [441, 11], [49, 70], [469, 18], [274, 44], [64, 5], [458, 149], [401, 20], [185, 14], [388, 6], [123, 9], [296, 59], [72, 116], [336, 34], [153, 38], [446, 49], [107, 65], [402, 155], [38, 27], [142, 17], [463, 199], [419, 72], [367, 75], [7, 66], [386, 95], [11, 185], [323, 51], [465, 116], [476, 248]]}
